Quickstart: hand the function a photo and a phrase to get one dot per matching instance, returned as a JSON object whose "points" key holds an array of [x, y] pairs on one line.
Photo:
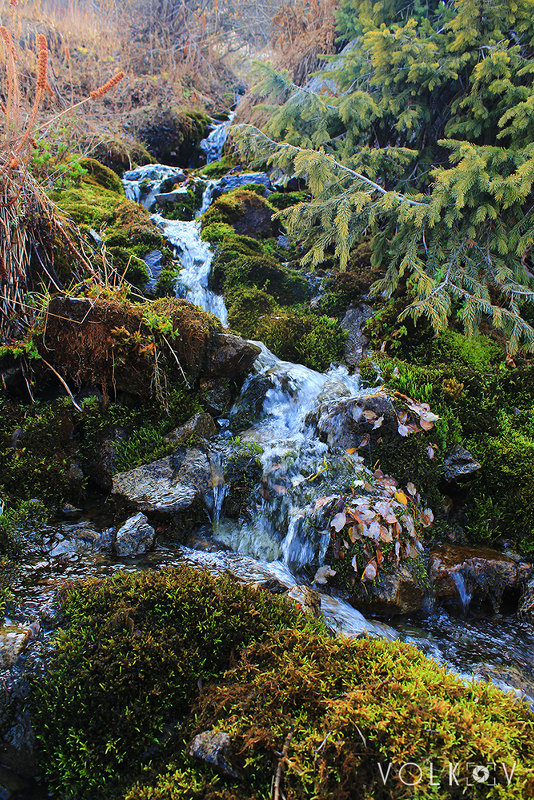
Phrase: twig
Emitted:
{"points": [[281, 764], [56, 373]]}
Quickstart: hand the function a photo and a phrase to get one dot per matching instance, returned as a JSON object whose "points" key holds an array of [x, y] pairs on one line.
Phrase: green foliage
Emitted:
{"points": [[248, 309], [344, 707], [56, 168], [302, 337], [17, 525], [218, 168], [127, 664], [427, 149]]}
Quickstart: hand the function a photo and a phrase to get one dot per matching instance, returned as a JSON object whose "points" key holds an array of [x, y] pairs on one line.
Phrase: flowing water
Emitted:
{"points": [[280, 541]]}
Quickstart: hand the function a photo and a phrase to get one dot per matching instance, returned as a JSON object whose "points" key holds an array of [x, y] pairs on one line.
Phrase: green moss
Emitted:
{"points": [[242, 473], [166, 282], [219, 168], [345, 708], [100, 175], [303, 337], [248, 309], [216, 232], [127, 667], [243, 210], [124, 225], [281, 200]]}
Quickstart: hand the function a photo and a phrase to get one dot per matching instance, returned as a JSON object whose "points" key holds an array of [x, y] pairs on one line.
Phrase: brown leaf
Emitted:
{"points": [[351, 450], [369, 415], [369, 573], [427, 518], [426, 425], [339, 521], [401, 497], [379, 556], [385, 535], [411, 489]]}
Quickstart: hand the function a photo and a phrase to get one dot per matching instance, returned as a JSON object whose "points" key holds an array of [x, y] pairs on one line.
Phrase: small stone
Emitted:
{"points": [[201, 426], [13, 640], [135, 537], [458, 465], [213, 747]]}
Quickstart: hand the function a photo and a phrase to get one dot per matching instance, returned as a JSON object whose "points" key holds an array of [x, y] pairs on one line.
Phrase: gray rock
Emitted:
{"points": [[394, 593], [102, 467], [353, 322], [70, 540], [218, 395], [168, 486], [342, 423], [202, 426], [526, 603], [459, 464], [135, 537], [13, 640], [171, 197], [230, 356], [213, 747]]}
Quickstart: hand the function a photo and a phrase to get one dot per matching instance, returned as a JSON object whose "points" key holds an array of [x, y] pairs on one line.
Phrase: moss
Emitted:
{"points": [[242, 473], [100, 175], [244, 210], [127, 667], [170, 134], [216, 232], [124, 225], [166, 282], [303, 337], [281, 200], [37, 448], [218, 168], [248, 309], [345, 708]]}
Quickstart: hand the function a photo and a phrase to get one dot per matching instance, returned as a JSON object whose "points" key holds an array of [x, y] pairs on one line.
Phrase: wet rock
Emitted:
{"points": [[166, 487], [71, 540], [333, 390], [229, 182], [201, 426], [101, 468], [507, 677], [135, 537], [353, 322], [470, 576], [169, 198], [308, 600], [526, 603], [203, 541], [230, 356], [394, 593], [171, 135], [218, 395], [458, 465], [250, 404], [13, 640], [213, 747], [344, 423], [75, 477], [154, 263]]}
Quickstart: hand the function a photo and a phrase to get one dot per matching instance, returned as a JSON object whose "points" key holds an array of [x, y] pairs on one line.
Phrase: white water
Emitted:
{"points": [[213, 144], [279, 541]]}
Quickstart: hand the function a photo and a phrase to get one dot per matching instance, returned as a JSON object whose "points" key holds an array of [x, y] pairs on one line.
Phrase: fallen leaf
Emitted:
{"points": [[354, 534], [369, 573], [431, 452], [378, 423], [425, 424], [411, 488], [351, 450], [402, 429], [379, 556], [279, 489], [364, 442], [427, 518], [369, 415], [323, 573], [401, 497], [354, 564], [339, 521], [385, 535], [396, 373]]}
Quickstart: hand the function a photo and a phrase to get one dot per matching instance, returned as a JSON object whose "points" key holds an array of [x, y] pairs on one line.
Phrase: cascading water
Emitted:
{"points": [[279, 540]]}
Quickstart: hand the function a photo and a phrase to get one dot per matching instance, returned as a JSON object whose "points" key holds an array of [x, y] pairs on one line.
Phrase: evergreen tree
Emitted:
{"points": [[426, 147]]}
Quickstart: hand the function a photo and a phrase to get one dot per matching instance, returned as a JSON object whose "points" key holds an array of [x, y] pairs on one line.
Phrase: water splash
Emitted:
{"points": [[463, 592], [213, 144]]}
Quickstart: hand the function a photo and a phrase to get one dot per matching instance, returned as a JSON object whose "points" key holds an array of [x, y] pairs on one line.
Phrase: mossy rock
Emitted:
{"points": [[246, 211], [171, 135], [219, 168], [127, 667], [121, 153], [111, 342], [124, 225], [303, 338], [348, 714], [248, 309], [101, 175]]}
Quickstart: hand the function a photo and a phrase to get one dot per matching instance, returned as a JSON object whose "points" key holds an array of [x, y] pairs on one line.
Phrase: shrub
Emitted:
{"points": [[343, 708], [127, 666]]}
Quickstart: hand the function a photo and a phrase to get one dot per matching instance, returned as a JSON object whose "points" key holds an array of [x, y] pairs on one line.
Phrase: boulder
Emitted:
{"points": [[394, 593], [155, 262], [135, 537], [458, 465], [345, 423], [306, 599], [475, 576], [213, 747], [201, 426], [103, 465], [526, 602], [72, 540], [353, 322], [218, 395], [167, 487], [249, 404], [229, 355]]}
